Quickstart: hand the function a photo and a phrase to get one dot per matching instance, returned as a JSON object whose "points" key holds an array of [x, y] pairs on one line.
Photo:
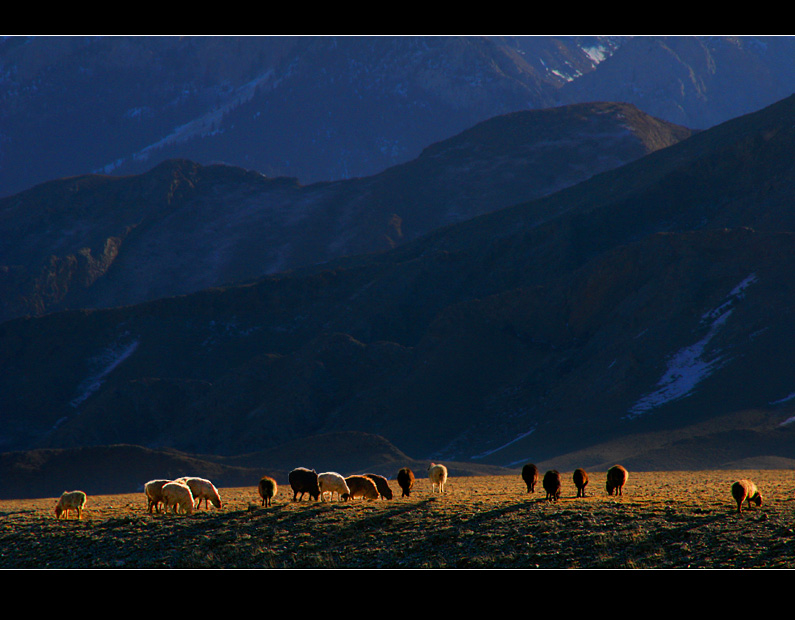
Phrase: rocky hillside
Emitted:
{"points": [[101, 241], [643, 301]]}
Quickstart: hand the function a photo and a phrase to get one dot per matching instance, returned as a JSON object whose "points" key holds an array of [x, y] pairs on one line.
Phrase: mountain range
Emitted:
{"points": [[100, 241], [317, 108], [651, 300], [322, 108], [634, 307]]}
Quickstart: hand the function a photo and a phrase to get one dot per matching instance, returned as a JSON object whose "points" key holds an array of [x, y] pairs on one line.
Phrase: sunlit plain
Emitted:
{"points": [[662, 520]]}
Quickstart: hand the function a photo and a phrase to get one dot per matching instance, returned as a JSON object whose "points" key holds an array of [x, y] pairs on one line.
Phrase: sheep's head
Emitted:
{"points": [[58, 511], [757, 499]]}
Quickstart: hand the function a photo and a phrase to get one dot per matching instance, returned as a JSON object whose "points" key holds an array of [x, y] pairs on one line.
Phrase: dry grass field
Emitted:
{"points": [[663, 520]]}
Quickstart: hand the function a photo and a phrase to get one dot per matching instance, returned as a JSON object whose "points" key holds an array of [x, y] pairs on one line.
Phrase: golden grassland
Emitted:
{"points": [[663, 520]]}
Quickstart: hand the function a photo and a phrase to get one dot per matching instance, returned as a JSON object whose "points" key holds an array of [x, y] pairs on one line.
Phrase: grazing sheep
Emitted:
{"points": [[303, 480], [530, 477], [580, 481], [405, 478], [154, 494], [551, 485], [267, 490], [70, 500], [745, 490], [331, 482], [202, 490], [382, 485], [438, 477], [177, 494], [617, 477], [361, 486]]}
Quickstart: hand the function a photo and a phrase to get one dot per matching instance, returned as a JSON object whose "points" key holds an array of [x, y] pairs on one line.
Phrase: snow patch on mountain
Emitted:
{"points": [[781, 401], [105, 363], [205, 125], [597, 53], [789, 397], [513, 441], [689, 366]]}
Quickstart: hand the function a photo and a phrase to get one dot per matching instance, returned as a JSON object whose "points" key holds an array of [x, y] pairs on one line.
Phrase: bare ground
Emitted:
{"points": [[663, 520]]}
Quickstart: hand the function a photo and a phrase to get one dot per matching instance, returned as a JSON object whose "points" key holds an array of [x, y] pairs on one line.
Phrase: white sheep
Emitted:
{"points": [[154, 494], [331, 482], [70, 500], [438, 476], [177, 494], [202, 490]]}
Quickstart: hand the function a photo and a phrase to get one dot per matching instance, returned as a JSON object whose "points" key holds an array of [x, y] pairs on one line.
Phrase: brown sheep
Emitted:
{"points": [[617, 477], [530, 477], [69, 501], [267, 490], [303, 480], [405, 480], [552, 485], [361, 486], [580, 481], [382, 485], [745, 490]]}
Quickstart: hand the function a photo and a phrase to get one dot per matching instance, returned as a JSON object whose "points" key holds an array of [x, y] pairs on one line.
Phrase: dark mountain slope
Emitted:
{"points": [[105, 241], [751, 439], [647, 304], [736, 174]]}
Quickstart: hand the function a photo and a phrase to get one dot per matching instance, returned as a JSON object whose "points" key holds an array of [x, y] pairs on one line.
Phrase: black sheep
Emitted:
{"points": [[552, 485], [530, 477], [580, 481], [405, 480], [303, 480], [382, 485], [616, 479]]}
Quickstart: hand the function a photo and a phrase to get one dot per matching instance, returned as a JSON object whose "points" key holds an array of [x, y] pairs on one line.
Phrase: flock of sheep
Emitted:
{"points": [[617, 476], [185, 494], [367, 486]]}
